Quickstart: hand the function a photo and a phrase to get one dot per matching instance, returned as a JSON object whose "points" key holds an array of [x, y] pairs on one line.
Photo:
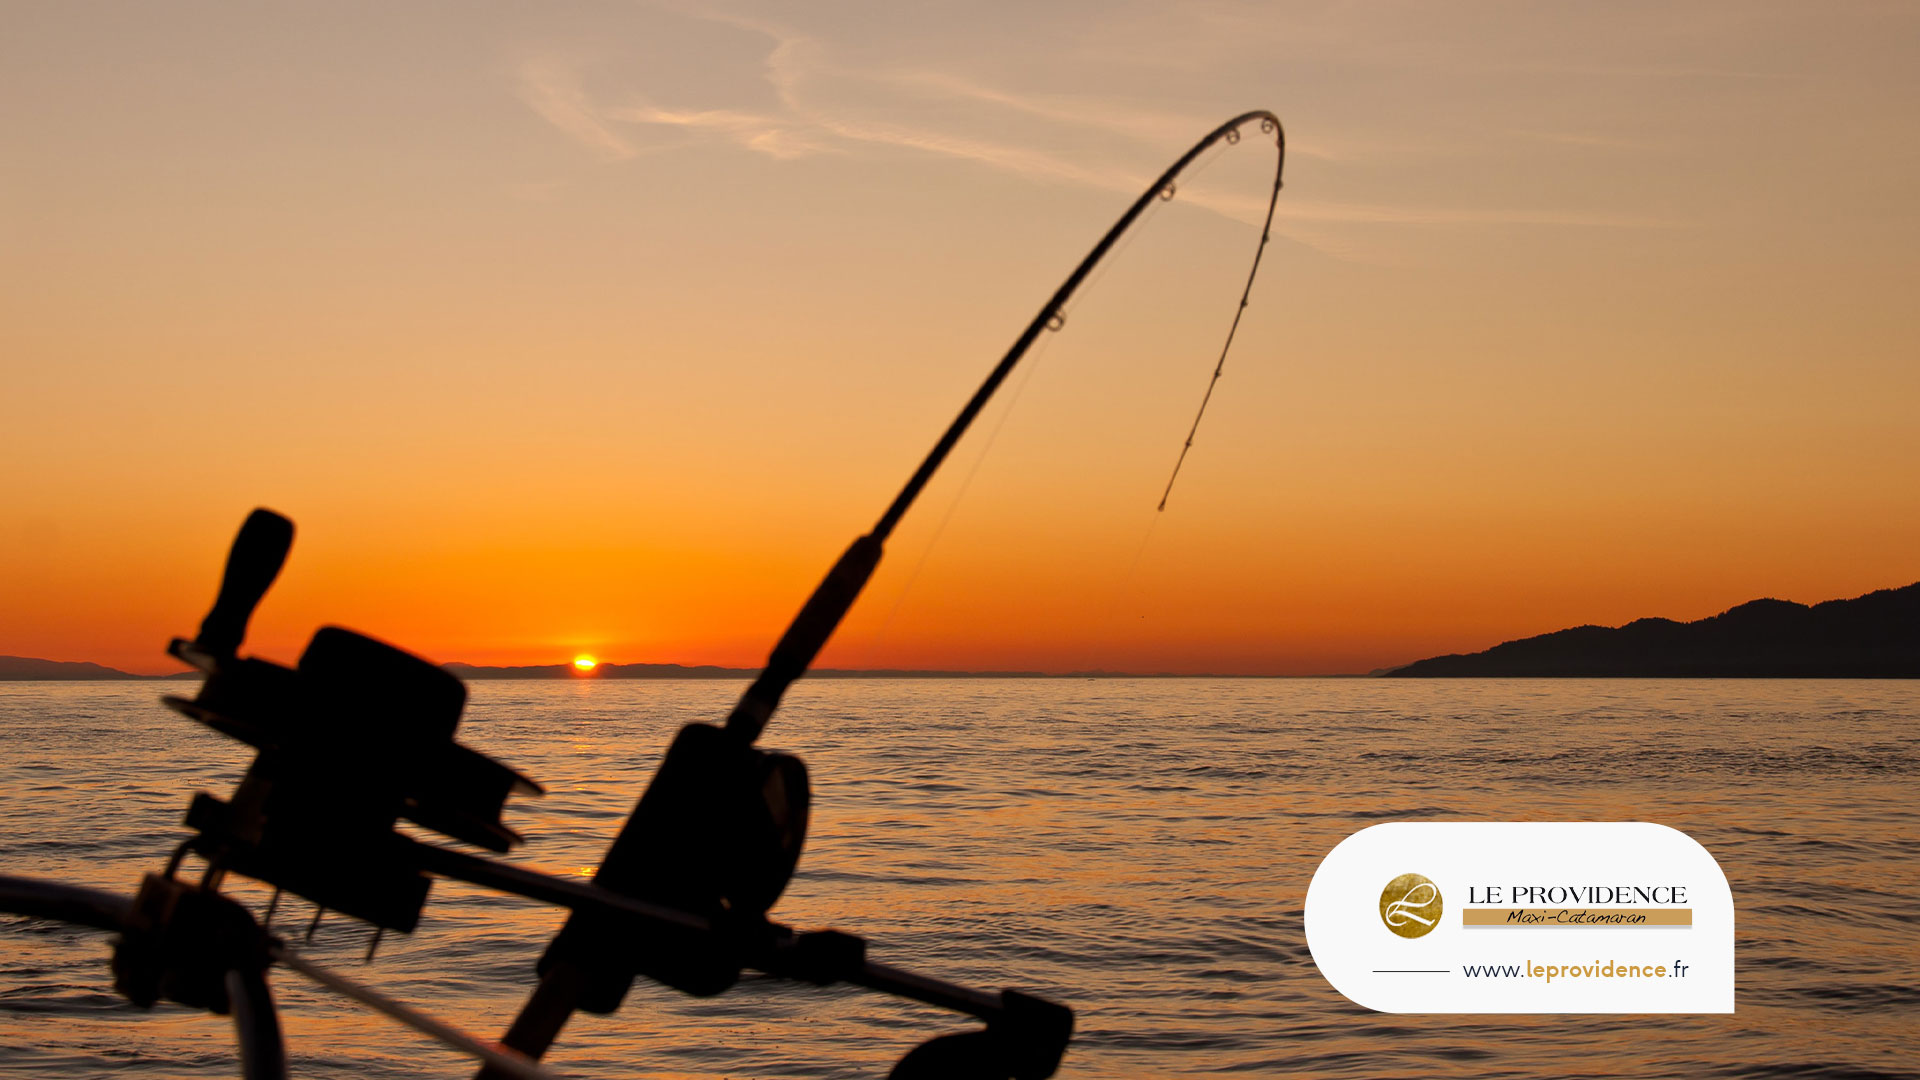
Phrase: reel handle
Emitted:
{"points": [[258, 553]]}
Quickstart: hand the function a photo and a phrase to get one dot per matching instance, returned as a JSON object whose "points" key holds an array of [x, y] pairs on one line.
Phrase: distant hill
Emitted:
{"points": [[26, 667], [1871, 636]]}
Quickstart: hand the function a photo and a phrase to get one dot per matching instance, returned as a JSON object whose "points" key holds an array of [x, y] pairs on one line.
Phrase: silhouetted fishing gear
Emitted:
{"points": [[357, 736], [721, 825], [360, 735]]}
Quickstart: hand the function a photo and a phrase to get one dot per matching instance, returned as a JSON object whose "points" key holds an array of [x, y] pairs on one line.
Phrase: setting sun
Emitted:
{"points": [[585, 664]]}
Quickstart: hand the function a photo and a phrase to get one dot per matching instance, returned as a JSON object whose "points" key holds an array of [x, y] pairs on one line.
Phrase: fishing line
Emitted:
{"points": [[1033, 365], [1123, 590], [1213, 154], [1139, 553], [966, 482]]}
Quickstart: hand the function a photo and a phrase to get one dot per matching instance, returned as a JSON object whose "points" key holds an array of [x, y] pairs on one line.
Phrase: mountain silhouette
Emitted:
{"points": [[1871, 636], [14, 668]]}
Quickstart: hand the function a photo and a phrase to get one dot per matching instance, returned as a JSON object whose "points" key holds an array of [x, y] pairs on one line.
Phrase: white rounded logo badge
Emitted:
{"points": [[1523, 917]]}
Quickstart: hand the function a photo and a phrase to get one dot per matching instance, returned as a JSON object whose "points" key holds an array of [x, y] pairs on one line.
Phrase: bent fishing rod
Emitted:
{"points": [[830, 602], [579, 970], [360, 734]]}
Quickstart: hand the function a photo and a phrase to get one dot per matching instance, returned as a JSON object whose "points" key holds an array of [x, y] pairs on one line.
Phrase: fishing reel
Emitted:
{"points": [[355, 737], [716, 834]]}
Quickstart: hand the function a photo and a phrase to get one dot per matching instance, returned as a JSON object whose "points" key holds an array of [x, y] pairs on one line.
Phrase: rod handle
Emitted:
{"points": [[804, 638], [258, 553]]}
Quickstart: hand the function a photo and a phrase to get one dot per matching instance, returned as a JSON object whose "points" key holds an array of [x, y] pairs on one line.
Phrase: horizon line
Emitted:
{"points": [[93, 670]]}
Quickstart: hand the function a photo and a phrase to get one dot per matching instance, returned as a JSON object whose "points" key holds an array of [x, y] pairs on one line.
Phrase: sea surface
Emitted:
{"points": [[1139, 849]]}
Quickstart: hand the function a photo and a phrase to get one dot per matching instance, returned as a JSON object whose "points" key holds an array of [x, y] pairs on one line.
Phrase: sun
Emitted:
{"points": [[585, 664]]}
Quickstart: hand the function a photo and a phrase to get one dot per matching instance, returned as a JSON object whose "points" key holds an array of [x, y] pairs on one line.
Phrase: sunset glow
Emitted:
{"points": [[621, 328], [585, 664]]}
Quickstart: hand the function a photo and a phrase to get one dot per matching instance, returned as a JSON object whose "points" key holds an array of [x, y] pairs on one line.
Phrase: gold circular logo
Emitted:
{"points": [[1410, 905]]}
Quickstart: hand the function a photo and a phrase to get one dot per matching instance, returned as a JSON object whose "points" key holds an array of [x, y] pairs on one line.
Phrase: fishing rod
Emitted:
{"points": [[720, 827], [830, 602], [360, 734]]}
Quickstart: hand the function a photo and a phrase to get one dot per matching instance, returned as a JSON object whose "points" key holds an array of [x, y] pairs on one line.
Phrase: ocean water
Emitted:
{"points": [[1139, 849]]}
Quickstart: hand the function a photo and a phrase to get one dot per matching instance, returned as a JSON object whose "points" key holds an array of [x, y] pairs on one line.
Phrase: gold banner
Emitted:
{"points": [[1577, 916]]}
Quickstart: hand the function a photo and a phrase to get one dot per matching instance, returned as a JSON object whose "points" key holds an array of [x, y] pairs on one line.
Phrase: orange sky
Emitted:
{"points": [[603, 328]]}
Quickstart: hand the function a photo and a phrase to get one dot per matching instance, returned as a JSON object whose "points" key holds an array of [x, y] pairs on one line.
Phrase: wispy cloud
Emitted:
{"points": [[804, 123], [819, 105], [754, 131], [803, 126], [1155, 126], [552, 88], [795, 60]]}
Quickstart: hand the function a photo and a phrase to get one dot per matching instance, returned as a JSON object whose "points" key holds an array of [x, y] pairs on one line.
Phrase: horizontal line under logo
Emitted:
{"points": [[1577, 916]]}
